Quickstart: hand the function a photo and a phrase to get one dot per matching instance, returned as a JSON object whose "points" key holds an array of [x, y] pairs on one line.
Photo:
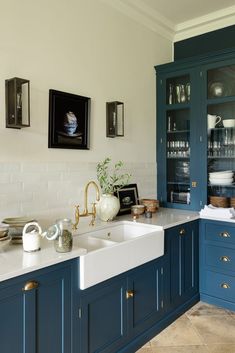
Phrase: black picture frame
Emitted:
{"points": [[69, 116], [129, 191]]}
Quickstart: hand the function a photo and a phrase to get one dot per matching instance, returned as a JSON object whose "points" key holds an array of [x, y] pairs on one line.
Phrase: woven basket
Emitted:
{"points": [[151, 205], [219, 201]]}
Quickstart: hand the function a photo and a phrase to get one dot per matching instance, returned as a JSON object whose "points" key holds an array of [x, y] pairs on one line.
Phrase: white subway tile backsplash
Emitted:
{"points": [[50, 190]]}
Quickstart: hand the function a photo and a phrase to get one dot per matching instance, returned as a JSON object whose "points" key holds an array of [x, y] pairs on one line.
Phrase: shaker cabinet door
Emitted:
{"points": [[17, 307], [35, 312], [145, 306], [104, 317]]}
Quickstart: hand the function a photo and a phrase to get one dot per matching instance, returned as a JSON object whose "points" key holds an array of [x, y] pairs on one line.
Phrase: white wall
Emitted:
{"points": [[83, 47]]}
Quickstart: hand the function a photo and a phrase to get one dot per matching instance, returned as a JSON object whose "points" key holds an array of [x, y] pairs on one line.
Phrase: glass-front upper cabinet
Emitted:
{"points": [[221, 135], [175, 116], [177, 121]]}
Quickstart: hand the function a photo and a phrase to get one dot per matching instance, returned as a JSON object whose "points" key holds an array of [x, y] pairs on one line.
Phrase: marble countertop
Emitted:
{"points": [[15, 262]]}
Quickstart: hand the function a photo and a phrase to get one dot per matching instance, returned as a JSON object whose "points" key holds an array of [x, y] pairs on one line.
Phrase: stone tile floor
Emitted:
{"points": [[203, 329]]}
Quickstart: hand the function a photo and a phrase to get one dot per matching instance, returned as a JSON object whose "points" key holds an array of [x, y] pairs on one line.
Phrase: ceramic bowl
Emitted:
{"points": [[4, 242], [229, 123]]}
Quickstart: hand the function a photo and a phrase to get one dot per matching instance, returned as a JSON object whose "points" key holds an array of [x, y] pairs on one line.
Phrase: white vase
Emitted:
{"points": [[108, 207]]}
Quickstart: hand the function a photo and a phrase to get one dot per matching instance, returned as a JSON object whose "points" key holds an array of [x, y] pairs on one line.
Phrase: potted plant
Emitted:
{"points": [[110, 180]]}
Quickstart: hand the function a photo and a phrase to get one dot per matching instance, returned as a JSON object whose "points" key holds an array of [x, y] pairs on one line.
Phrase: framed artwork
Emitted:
{"points": [[128, 196], [69, 116]]}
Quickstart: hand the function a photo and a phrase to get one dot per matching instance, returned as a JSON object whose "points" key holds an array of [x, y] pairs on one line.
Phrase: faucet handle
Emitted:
{"points": [[93, 213], [77, 216]]}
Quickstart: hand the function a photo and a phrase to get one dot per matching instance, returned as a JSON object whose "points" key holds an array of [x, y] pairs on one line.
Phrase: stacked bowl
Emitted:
{"points": [[5, 238], [221, 178]]}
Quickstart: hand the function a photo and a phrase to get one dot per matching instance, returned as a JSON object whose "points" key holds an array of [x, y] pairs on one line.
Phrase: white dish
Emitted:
{"points": [[222, 183], [219, 177], [222, 172]]}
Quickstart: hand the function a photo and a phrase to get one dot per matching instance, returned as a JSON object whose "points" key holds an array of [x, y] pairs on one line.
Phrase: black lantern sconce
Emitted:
{"points": [[114, 119], [17, 103]]}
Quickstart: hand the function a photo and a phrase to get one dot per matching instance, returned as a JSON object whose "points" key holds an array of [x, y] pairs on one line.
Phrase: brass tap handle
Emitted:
{"points": [[30, 285], [77, 216], [93, 214], [129, 294]]}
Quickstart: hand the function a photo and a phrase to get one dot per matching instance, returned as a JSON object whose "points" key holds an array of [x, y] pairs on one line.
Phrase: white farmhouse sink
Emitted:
{"points": [[122, 232], [117, 248]]}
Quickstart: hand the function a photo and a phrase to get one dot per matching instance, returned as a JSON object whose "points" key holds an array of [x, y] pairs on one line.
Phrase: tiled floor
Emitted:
{"points": [[203, 329]]}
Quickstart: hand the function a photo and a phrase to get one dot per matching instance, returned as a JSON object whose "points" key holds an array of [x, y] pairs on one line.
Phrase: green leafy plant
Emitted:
{"points": [[111, 180]]}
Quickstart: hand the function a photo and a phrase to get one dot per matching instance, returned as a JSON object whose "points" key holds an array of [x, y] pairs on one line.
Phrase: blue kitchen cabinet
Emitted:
{"points": [[217, 263], [35, 312], [182, 252], [104, 316], [145, 307], [196, 131], [116, 311]]}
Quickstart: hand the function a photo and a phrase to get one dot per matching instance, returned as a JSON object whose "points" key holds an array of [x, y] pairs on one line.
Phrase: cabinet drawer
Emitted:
{"points": [[218, 232], [219, 285], [223, 258]]}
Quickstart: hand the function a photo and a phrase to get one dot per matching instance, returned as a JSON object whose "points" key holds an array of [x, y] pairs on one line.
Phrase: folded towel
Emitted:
{"points": [[217, 212]]}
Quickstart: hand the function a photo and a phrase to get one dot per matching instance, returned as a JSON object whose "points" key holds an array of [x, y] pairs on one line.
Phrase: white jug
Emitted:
{"points": [[213, 120], [31, 240]]}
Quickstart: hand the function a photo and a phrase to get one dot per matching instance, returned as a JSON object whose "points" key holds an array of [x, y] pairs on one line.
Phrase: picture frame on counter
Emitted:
{"points": [[128, 196], [69, 116]]}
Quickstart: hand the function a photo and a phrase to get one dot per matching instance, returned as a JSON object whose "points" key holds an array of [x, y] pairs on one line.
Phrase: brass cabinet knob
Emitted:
{"points": [[129, 294], [30, 285], [225, 285], [225, 235], [182, 231], [225, 259]]}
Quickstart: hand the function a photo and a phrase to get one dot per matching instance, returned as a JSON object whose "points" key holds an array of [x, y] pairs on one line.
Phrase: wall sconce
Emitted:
{"points": [[17, 103], [114, 119]]}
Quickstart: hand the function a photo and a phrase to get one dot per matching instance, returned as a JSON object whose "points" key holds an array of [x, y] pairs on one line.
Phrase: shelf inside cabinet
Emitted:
{"points": [[177, 106], [178, 183], [219, 100], [177, 131]]}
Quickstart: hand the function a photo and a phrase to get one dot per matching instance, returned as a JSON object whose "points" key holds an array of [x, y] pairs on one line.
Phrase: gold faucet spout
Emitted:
{"points": [[85, 212]]}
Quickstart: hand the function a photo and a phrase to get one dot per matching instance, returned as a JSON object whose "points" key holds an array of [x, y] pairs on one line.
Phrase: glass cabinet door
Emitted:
{"points": [[177, 127], [221, 135]]}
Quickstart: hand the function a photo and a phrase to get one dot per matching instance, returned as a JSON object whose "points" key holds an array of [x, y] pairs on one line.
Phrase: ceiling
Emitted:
{"points": [[179, 11], [178, 19]]}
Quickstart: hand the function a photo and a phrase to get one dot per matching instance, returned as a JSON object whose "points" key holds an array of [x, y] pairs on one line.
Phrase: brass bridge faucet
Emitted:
{"points": [[85, 211]]}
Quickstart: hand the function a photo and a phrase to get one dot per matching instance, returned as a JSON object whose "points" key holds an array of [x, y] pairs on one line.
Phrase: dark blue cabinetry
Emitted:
{"points": [[192, 142], [217, 263], [182, 245], [116, 311], [123, 313], [35, 312]]}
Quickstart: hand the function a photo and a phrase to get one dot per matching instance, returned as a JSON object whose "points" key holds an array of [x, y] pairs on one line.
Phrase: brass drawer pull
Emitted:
{"points": [[30, 285], [129, 294], [182, 231], [225, 285], [225, 259], [224, 235]]}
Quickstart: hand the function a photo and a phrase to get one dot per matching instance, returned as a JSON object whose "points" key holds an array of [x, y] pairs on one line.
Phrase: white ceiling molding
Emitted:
{"points": [[145, 15], [211, 22], [140, 12]]}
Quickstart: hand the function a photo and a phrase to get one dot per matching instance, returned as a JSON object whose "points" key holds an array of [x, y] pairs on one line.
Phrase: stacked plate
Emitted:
{"points": [[16, 226], [4, 235], [221, 178]]}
